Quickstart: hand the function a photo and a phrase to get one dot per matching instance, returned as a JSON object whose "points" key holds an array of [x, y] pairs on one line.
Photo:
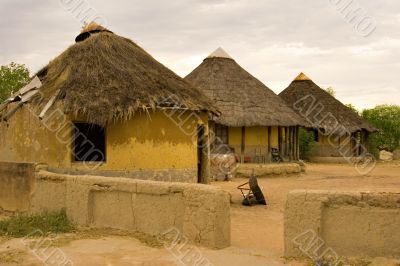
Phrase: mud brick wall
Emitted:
{"points": [[16, 181], [200, 212], [342, 224]]}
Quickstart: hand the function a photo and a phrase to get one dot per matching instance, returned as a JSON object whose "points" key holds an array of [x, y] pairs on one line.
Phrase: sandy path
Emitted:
{"points": [[261, 227]]}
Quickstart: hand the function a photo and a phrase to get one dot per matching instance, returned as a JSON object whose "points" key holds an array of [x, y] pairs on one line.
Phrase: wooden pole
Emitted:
{"points": [[290, 144], [280, 141], [269, 145], [207, 155], [242, 148], [286, 142], [297, 143], [366, 141], [355, 144], [294, 143]]}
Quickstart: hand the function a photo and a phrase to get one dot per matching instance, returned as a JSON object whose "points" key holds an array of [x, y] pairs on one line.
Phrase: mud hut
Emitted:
{"points": [[338, 130], [254, 121], [105, 106]]}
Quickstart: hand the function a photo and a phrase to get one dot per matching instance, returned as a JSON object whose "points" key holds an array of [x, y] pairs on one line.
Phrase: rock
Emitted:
{"points": [[385, 156], [396, 154], [303, 166]]}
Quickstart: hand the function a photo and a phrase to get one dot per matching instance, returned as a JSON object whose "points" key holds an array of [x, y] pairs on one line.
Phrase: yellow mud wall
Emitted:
{"points": [[328, 146], [255, 137], [274, 137], [153, 141], [147, 141], [322, 139], [332, 139], [235, 136], [24, 138]]}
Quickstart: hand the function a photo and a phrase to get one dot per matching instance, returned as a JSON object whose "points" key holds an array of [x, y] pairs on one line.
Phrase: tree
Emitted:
{"points": [[387, 119], [353, 108], [331, 91], [12, 78], [306, 143]]}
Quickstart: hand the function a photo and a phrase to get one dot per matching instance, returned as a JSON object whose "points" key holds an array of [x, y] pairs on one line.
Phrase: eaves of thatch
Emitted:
{"points": [[320, 109], [104, 77], [242, 99]]}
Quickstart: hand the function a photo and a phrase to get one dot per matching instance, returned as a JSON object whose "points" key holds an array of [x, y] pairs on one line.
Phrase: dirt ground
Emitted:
{"points": [[257, 232]]}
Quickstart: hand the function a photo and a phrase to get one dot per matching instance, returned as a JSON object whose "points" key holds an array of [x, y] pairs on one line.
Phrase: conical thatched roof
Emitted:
{"points": [[305, 94], [107, 77], [88, 30], [242, 99]]}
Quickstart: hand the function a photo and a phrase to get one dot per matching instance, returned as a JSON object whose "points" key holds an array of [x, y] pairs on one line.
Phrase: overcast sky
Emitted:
{"points": [[350, 45]]}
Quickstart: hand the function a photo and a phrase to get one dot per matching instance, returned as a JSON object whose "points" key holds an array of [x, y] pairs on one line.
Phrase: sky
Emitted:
{"points": [[352, 46]]}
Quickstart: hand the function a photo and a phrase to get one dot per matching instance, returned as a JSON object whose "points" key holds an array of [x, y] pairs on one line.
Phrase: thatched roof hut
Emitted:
{"points": [[105, 77], [243, 100], [303, 91]]}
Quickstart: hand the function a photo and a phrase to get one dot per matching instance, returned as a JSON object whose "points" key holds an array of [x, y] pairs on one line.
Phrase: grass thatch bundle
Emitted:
{"points": [[106, 77], [242, 99], [304, 89]]}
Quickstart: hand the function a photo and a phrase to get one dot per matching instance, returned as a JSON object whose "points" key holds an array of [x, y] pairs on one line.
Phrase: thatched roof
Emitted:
{"points": [[305, 94], [242, 99], [107, 77], [88, 30]]}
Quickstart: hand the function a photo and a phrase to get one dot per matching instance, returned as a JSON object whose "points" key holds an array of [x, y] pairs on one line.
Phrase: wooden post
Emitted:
{"points": [[295, 143], [353, 144], [286, 142], [211, 131], [298, 143], [290, 144], [280, 141], [207, 155], [242, 148], [366, 141], [269, 145]]}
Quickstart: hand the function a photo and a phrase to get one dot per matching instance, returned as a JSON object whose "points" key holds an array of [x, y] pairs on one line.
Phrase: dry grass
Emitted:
{"points": [[107, 77], [242, 99], [11, 257], [92, 233], [344, 115]]}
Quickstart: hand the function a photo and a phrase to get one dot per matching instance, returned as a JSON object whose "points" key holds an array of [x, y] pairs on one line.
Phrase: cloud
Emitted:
{"points": [[274, 40]]}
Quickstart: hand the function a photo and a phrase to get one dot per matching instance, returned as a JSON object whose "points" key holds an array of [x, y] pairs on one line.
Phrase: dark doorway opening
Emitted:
{"points": [[89, 143], [221, 134], [200, 153]]}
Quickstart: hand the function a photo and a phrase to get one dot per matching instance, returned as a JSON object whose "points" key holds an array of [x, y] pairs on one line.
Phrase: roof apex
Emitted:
{"points": [[219, 53], [302, 77]]}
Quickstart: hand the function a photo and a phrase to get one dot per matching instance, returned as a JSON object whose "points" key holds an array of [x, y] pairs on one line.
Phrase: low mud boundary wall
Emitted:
{"points": [[322, 224], [271, 169], [201, 213], [16, 184]]}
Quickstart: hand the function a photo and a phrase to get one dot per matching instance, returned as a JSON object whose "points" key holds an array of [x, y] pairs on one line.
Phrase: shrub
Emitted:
{"points": [[307, 143], [36, 224], [387, 119]]}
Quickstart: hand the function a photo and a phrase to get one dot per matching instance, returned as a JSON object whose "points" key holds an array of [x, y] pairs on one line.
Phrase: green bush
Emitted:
{"points": [[307, 143], [12, 78], [36, 224], [387, 119]]}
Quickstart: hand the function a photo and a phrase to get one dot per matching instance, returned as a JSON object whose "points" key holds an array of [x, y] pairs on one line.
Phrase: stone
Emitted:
{"points": [[396, 154], [386, 156]]}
